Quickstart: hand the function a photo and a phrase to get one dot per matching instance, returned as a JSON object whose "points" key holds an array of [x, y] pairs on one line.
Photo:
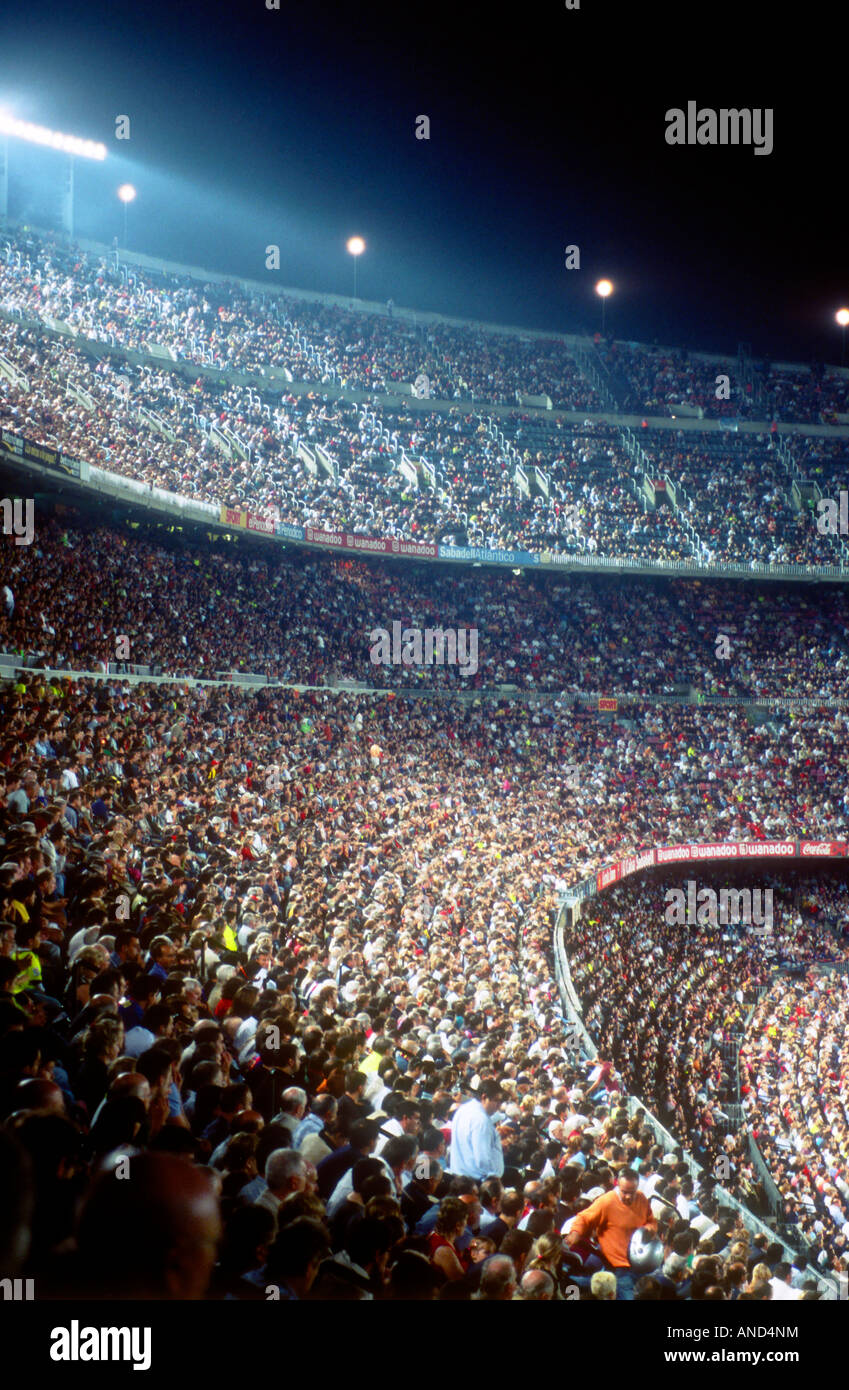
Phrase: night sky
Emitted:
{"points": [[297, 127]]}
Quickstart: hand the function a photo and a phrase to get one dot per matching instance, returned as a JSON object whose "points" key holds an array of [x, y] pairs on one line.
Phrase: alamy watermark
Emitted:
{"points": [[726, 126], [76, 1343], [19, 519], [701, 907], [833, 518], [415, 646]]}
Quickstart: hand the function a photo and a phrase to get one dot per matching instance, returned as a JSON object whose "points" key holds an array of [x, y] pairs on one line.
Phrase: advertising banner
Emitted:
{"points": [[331, 538], [369, 545], [605, 703], [486, 556], [42, 454], [633, 863], [259, 523], [606, 877], [232, 516], [12, 443], [740, 849]]}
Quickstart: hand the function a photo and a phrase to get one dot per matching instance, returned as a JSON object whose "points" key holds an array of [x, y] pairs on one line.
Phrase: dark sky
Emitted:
{"points": [[296, 127]]}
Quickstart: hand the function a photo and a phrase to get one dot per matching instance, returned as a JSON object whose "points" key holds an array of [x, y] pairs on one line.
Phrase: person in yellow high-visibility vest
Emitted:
{"points": [[25, 955]]}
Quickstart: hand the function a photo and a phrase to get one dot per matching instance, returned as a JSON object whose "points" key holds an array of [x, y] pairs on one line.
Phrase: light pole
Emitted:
{"points": [[842, 317], [127, 195], [356, 246], [603, 289]]}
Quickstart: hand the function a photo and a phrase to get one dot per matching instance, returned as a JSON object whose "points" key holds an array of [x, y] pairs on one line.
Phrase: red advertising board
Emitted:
{"points": [[370, 545], [334, 538], [733, 849], [634, 863], [605, 877]]}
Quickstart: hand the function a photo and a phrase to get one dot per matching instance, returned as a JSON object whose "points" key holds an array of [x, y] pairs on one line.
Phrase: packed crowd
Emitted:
{"points": [[794, 1073], [287, 957], [226, 325], [737, 496], [653, 381], [233, 924], [147, 424], [780, 643], [228, 443], [69, 597], [815, 397], [823, 461], [666, 1000]]}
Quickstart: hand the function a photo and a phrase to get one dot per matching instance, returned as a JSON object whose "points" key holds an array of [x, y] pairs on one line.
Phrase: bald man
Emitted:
{"points": [[35, 1093], [150, 1233]]}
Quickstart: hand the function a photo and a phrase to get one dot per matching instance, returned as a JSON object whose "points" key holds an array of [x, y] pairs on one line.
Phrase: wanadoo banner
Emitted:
{"points": [[369, 545]]}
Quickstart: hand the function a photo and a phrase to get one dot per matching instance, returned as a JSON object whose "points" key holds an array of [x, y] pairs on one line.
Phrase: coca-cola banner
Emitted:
{"points": [[605, 877], [635, 862]]}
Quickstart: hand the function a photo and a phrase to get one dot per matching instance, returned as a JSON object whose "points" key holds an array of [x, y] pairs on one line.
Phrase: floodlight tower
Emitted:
{"points": [[71, 145], [842, 317]]}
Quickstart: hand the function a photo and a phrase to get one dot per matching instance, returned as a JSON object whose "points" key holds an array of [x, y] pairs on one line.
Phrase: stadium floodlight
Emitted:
{"points": [[355, 246], [603, 289], [71, 145], [842, 317], [52, 139]]}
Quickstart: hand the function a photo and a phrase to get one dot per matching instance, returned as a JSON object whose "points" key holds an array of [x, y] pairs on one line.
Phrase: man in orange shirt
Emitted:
{"points": [[613, 1219]]}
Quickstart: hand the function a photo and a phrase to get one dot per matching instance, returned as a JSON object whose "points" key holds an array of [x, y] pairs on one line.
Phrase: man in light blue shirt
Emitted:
{"points": [[475, 1146], [322, 1113]]}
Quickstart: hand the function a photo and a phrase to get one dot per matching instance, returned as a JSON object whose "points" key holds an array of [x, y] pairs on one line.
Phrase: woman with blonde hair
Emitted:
{"points": [[547, 1254]]}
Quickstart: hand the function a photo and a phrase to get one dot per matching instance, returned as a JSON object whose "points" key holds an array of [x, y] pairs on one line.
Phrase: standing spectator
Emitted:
{"points": [[476, 1150]]}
